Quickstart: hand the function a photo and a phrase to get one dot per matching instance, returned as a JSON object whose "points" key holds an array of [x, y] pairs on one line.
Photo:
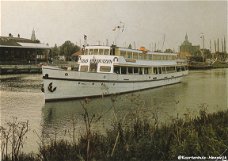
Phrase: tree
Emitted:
{"points": [[67, 49], [55, 51], [168, 51], [129, 46]]}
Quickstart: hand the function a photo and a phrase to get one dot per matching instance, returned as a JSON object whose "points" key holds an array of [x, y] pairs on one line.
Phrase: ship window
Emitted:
{"points": [[95, 51], [86, 51], [155, 70], [117, 70], [136, 70], [145, 70], [163, 70], [154, 57], [135, 55], [178, 69], [84, 68], [93, 67], [106, 52], [159, 70], [130, 70], [90, 52], [140, 71], [123, 70], [122, 53], [145, 56], [101, 51], [105, 68], [171, 69], [129, 55], [140, 56]]}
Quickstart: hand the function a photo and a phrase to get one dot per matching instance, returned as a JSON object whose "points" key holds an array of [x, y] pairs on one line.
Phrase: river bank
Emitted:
{"points": [[31, 69], [20, 69], [206, 66], [140, 139]]}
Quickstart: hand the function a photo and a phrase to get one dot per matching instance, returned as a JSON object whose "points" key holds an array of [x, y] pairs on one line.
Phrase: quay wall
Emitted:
{"points": [[19, 69]]}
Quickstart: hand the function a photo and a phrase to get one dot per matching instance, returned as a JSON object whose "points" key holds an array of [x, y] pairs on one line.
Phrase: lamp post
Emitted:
{"points": [[202, 37], [202, 50]]}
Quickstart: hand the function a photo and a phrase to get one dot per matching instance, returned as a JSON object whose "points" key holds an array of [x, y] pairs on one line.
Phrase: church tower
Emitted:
{"points": [[33, 37], [186, 37]]}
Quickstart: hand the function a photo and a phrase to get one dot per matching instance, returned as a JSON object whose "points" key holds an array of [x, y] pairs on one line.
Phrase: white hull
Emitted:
{"points": [[61, 84]]}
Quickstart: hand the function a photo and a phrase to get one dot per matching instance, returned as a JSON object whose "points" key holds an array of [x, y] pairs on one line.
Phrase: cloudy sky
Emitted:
{"points": [[145, 22]]}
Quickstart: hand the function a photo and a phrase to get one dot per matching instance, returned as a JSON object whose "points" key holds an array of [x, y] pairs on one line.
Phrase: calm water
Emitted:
{"points": [[21, 97]]}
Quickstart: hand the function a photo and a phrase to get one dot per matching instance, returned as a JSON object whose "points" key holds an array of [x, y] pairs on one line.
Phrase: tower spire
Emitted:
{"points": [[186, 37], [33, 37]]}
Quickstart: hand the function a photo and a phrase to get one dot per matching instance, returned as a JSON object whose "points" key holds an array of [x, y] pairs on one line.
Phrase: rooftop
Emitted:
{"points": [[18, 42]]}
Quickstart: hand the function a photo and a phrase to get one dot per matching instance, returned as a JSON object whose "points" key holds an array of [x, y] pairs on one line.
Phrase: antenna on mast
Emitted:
{"points": [[163, 42], [85, 40], [118, 29]]}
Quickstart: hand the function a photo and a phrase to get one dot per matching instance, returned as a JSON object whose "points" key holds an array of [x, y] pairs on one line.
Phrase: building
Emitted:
{"points": [[187, 49], [22, 51]]}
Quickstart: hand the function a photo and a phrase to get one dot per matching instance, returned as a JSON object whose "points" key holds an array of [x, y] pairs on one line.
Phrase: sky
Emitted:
{"points": [[145, 22]]}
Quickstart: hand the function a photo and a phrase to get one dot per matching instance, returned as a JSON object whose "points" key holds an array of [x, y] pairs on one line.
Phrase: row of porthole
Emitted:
{"points": [[66, 74], [171, 78], [94, 83]]}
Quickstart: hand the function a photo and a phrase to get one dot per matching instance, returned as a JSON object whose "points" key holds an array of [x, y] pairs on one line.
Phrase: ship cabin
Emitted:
{"points": [[106, 59]]}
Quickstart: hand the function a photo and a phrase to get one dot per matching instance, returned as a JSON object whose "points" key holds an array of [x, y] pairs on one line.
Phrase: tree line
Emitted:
{"points": [[66, 50]]}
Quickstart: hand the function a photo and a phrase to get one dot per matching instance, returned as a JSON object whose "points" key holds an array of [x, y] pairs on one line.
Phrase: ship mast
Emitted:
{"points": [[118, 29]]}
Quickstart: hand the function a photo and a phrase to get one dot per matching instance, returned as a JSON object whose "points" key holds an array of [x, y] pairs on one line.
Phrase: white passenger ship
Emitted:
{"points": [[105, 70]]}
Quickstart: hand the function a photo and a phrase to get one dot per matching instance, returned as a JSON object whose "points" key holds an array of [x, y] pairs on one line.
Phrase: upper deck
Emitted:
{"points": [[133, 54]]}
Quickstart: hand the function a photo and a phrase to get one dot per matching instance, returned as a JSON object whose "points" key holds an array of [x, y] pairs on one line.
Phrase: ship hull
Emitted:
{"points": [[64, 85]]}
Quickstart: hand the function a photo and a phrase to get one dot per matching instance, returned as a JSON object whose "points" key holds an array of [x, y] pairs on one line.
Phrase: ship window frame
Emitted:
{"points": [[100, 51], [178, 68], [93, 67], [129, 55], [140, 70], [117, 69], [95, 51], [140, 57], [130, 70], [105, 67], [136, 70], [106, 52], [159, 70], [123, 70], [144, 56], [135, 55], [86, 52], [122, 53], [84, 67], [155, 70], [164, 71], [146, 70], [171, 69]]}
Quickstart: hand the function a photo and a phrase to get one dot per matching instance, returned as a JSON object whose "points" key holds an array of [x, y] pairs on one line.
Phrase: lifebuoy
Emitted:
{"points": [[115, 59]]}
